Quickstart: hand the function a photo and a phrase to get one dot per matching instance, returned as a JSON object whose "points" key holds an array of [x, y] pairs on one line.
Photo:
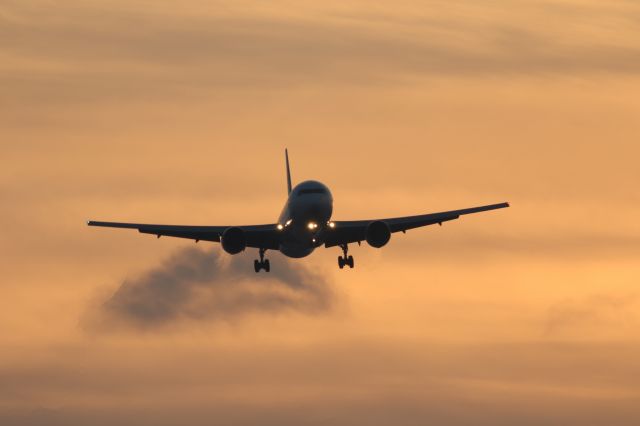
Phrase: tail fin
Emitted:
{"points": [[286, 156]]}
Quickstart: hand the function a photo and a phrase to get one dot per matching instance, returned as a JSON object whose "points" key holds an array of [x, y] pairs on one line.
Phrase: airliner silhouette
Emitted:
{"points": [[304, 225]]}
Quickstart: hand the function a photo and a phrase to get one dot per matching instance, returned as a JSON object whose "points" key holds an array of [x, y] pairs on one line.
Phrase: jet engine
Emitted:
{"points": [[378, 234], [233, 240]]}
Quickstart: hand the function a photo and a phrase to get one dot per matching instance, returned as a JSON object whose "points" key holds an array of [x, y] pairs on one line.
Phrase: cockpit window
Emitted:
{"points": [[312, 191]]}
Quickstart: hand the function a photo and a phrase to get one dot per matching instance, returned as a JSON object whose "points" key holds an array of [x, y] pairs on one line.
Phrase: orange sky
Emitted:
{"points": [[179, 113]]}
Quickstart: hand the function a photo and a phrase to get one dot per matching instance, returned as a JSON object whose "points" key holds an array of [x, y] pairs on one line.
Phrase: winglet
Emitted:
{"points": [[286, 157]]}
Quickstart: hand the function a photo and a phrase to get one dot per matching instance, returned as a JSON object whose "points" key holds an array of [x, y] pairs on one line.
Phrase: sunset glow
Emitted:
{"points": [[179, 113]]}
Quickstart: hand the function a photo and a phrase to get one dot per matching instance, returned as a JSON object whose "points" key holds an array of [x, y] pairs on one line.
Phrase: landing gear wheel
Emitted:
{"points": [[262, 263], [345, 260]]}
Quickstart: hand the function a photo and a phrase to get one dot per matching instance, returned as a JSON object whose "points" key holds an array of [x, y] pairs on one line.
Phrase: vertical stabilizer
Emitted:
{"points": [[286, 157]]}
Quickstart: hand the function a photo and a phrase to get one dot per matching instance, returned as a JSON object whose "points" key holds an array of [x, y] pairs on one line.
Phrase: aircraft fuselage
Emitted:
{"points": [[305, 218]]}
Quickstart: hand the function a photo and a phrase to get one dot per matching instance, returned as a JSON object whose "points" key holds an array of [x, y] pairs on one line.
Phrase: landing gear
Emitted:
{"points": [[345, 260], [348, 261], [262, 263], [257, 265]]}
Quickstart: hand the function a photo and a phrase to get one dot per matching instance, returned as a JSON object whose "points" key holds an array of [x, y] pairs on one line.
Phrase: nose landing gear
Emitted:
{"points": [[345, 260], [262, 263]]}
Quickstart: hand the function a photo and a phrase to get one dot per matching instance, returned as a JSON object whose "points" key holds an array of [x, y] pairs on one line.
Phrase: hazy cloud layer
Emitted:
{"points": [[196, 284], [343, 383], [81, 52]]}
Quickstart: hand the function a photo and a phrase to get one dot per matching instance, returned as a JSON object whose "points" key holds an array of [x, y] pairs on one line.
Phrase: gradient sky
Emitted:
{"points": [[179, 112]]}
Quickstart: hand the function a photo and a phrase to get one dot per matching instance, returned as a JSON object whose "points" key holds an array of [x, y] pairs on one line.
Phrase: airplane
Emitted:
{"points": [[304, 225]]}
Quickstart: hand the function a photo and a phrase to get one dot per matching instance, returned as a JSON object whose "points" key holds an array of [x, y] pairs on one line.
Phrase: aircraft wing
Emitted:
{"points": [[258, 236], [346, 232]]}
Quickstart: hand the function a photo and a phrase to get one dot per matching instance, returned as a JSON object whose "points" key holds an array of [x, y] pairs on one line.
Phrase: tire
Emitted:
{"points": [[340, 262], [267, 265], [256, 265], [350, 262]]}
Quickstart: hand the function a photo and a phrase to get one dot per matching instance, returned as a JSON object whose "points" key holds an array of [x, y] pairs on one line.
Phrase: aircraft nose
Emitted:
{"points": [[318, 210], [315, 210]]}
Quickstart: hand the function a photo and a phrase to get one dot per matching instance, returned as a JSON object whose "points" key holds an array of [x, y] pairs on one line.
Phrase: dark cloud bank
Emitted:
{"points": [[195, 284]]}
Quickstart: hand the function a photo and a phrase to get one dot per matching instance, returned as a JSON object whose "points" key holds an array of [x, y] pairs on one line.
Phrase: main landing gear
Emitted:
{"points": [[345, 260], [262, 263]]}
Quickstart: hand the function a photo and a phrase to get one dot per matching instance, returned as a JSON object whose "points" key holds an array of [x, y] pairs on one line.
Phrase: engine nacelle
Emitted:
{"points": [[233, 240], [378, 234]]}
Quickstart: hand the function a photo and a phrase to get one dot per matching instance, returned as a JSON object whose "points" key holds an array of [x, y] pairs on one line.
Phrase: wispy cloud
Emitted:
{"points": [[590, 311], [65, 55]]}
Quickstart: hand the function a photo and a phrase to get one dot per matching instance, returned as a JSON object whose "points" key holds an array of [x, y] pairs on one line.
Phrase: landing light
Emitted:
{"points": [[280, 227], [287, 223], [312, 225], [332, 225]]}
